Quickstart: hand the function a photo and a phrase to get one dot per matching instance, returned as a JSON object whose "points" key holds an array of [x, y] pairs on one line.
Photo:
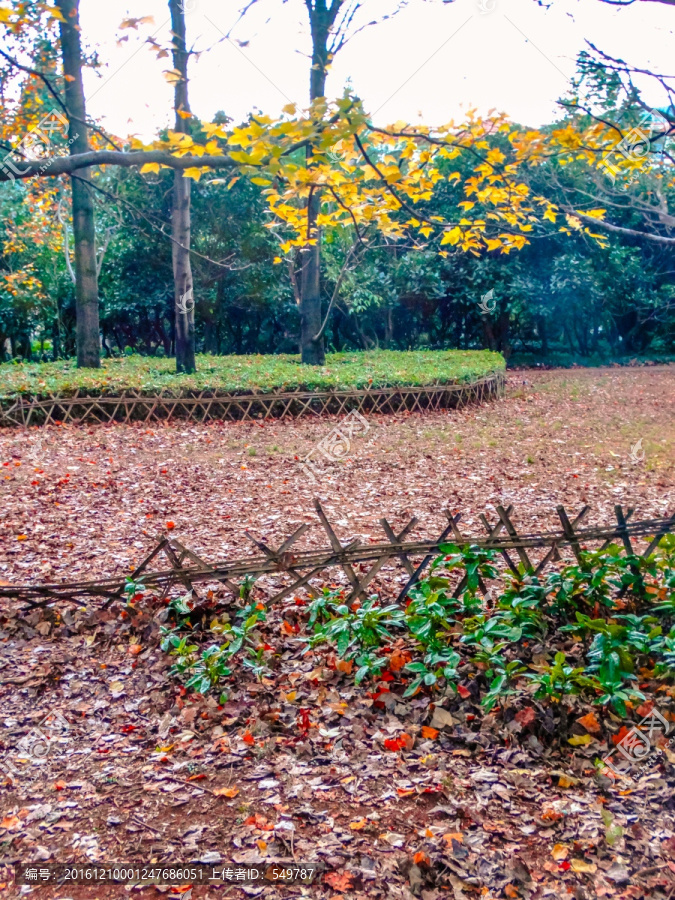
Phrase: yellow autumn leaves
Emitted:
{"points": [[379, 181]]}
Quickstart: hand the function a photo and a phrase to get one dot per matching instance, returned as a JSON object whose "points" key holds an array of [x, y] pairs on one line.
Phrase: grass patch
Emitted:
{"points": [[249, 374]]}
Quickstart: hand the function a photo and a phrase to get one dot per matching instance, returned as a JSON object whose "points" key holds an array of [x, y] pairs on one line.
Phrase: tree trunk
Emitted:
{"points": [[180, 214], [86, 278], [311, 349]]}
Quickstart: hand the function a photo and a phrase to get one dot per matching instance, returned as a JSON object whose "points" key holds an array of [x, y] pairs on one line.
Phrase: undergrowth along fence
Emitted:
{"points": [[302, 566], [133, 406]]}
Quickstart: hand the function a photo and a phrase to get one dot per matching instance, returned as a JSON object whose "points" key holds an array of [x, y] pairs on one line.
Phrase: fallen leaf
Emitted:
{"points": [[226, 791], [340, 881], [566, 782], [560, 851], [527, 716], [580, 865], [453, 836], [345, 665], [590, 723], [398, 659], [358, 825], [578, 740], [428, 732], [441, 719]]}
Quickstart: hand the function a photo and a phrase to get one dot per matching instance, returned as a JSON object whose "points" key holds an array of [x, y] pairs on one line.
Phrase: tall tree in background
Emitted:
{"points": [[322, 19], [332, 24], [84, 231], [180, 216]]}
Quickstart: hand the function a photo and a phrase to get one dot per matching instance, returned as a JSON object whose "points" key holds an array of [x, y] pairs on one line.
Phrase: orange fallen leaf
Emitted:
{"points": [[259, 822], [421, 857], [340, 881], [453, 836], [170, 525], [590, 723], [510, 891], [398, 659], [429, 732], [59, 785], [345, 665], [226, 791], [358, 825], [134, 649], [10, 822]]}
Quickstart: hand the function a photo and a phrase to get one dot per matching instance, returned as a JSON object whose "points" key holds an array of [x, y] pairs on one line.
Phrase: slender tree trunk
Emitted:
{"points": [[312, 348], [86, 278], [180, 214]]}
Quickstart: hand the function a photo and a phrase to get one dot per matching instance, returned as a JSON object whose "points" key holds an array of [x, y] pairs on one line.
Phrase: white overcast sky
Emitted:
{"points": [[428, 63]]}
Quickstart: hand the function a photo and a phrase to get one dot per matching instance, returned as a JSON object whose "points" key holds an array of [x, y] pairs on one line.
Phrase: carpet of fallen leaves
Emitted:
{"points": [[393, 800]]}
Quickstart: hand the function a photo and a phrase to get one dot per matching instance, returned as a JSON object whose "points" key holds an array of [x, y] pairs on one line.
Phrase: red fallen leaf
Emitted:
{"points": [[526, 716], [303, 720], [127, 729], [59, 785], [645, 709], [402, 741], [565, 865], [623, 731], [170, 525], [463, 692], [248, 738], [339, 881], [200, 776]]}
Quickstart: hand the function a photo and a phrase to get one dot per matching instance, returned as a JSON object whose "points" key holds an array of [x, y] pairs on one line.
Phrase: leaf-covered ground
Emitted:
{"points": [[302, 763], [245, 374]]}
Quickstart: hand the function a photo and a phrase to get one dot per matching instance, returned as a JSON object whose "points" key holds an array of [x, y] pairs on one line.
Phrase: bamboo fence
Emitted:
{"points": [[304, 566], [133, 406]]}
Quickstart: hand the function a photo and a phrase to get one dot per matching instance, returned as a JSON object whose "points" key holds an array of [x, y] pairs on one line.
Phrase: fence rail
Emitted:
{"points": [[208, 404], [304, 566]]}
